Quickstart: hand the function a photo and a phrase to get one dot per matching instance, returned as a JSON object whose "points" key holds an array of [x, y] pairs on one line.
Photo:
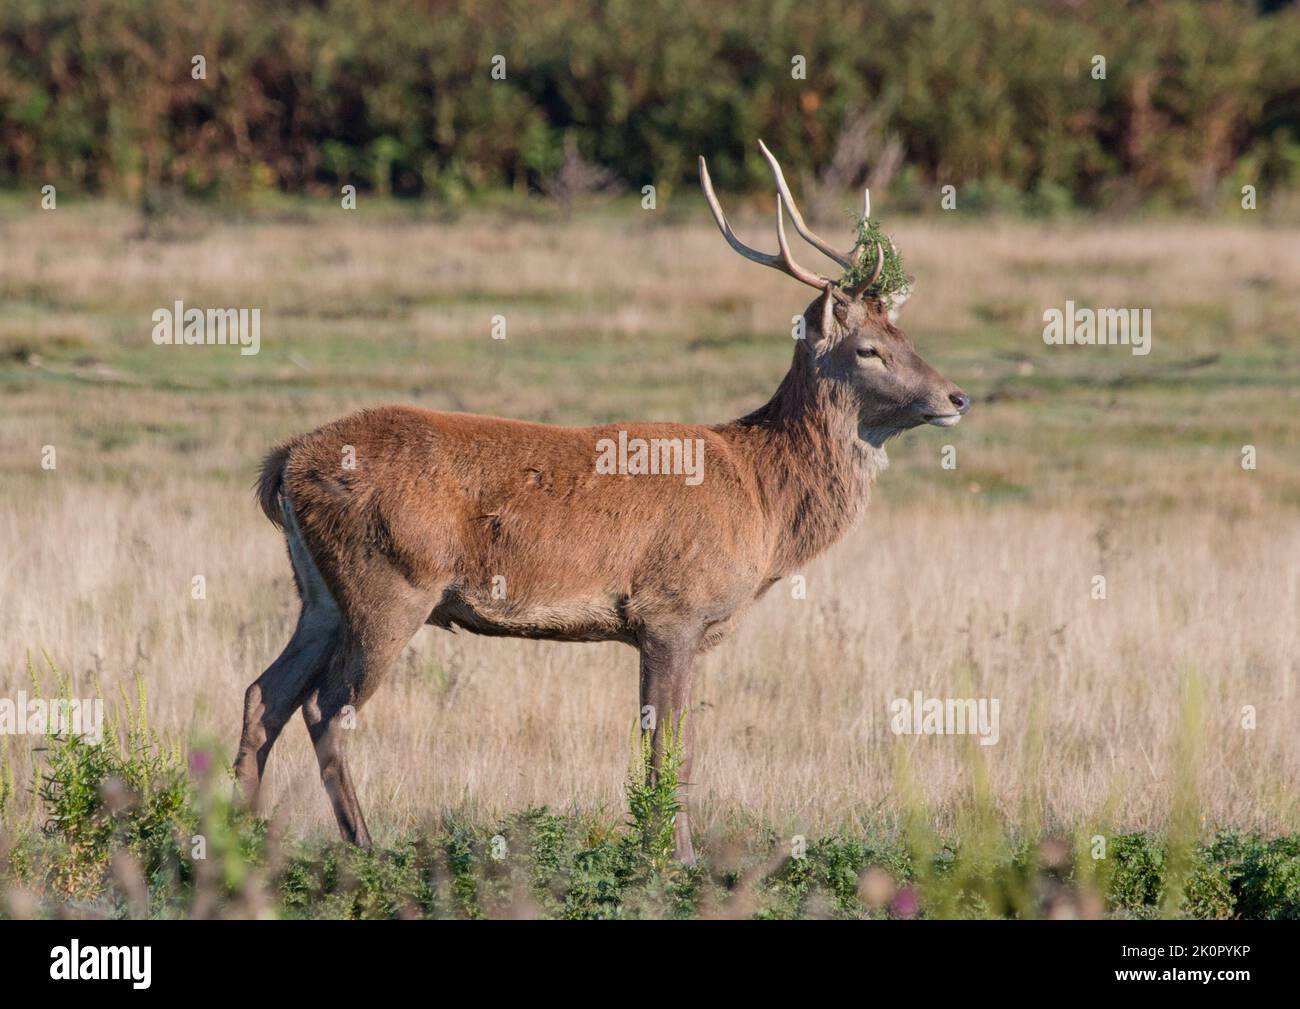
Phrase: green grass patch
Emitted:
{"points": [[134, 828]]}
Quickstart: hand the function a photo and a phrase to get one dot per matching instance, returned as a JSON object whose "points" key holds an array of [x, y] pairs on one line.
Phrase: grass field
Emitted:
{"points": [[968, 581]]}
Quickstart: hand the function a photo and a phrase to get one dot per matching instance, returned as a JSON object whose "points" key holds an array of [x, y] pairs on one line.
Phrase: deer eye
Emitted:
{"points": [[865, 352]]}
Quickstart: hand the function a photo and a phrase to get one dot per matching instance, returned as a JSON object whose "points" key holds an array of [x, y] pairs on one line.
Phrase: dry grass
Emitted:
{"points": [[975, 581]]}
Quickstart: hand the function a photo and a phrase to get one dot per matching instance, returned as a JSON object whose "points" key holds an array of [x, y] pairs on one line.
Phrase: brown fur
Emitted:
{"points": [[503, 527]]}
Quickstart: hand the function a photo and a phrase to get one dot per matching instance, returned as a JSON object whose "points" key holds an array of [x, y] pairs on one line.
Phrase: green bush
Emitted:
{"points": [[132, 828], [101, 796], [396, 96]]}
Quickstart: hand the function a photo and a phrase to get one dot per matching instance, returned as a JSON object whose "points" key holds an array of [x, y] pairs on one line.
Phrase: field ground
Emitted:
{"points": [[973, 581]]}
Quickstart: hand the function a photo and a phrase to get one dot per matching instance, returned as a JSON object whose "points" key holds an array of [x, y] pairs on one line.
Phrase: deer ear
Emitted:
{"points": [[894, 305]]}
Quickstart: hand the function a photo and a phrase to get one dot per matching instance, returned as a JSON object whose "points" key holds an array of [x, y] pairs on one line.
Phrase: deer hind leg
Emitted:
{"points": [[370, 644], [272, 699], [667, 666]]}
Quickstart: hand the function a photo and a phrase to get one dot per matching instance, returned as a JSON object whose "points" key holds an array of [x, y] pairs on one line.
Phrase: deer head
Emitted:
{"points": [[852, 343]]}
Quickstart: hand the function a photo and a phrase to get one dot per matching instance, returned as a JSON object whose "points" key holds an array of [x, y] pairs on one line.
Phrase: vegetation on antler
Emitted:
{"points": [[893, 279]]}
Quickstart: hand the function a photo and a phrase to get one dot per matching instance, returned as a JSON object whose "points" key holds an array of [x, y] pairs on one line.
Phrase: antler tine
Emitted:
{"points": [[844, 259], [721, 219], [791, 267], [783, 261]]}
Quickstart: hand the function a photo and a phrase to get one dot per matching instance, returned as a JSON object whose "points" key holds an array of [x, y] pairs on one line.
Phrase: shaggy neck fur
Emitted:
{"points": [[813, 467]]}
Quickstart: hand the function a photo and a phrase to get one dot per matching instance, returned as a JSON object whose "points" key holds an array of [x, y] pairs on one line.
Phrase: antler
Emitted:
{"points": [[843, 258], [784, 261]]}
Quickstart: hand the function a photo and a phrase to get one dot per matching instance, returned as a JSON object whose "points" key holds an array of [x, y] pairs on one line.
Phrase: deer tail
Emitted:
{"points": [[270, 485]]}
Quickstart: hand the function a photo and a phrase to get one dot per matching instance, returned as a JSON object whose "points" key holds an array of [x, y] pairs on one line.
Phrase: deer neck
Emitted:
{"points": [[812, 466]]}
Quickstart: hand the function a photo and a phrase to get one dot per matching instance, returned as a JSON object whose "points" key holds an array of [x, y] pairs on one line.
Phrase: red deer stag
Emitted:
{"points": [[397, 517]]}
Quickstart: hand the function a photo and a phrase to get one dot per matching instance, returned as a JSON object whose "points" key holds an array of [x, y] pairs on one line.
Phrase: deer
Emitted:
{"points": [[396, 517]]}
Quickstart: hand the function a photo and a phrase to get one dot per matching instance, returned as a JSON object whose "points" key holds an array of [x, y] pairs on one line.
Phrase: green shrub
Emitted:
{"points": [[127, 819], [397, 97]]}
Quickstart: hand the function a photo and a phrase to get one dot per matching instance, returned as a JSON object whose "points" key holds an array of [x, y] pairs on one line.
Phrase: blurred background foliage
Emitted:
{"points": [[397, 97]]}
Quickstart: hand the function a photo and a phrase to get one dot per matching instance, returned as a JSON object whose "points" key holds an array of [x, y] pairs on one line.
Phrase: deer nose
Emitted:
{"points": [[960, 400]]}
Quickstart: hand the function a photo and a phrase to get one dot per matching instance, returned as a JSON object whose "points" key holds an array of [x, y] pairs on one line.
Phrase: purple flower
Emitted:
{"points": [[906, 904], [200, 762]]}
